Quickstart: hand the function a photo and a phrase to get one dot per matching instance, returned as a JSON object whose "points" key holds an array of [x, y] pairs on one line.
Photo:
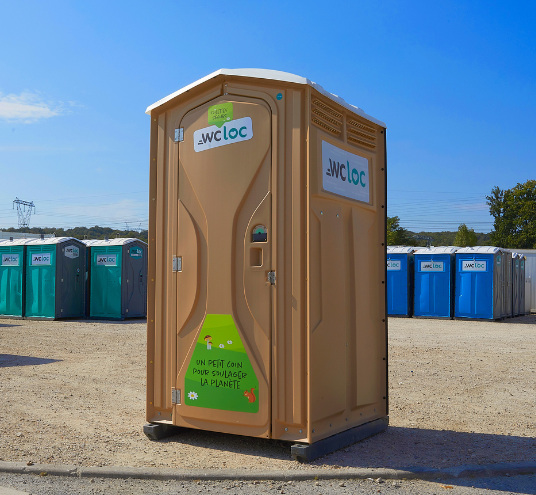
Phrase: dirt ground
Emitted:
{"points": [[461, 392]]}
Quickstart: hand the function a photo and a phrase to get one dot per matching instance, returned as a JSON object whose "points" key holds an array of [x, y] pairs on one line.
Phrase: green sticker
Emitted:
{"points": [[220, 375], [219, 114]]}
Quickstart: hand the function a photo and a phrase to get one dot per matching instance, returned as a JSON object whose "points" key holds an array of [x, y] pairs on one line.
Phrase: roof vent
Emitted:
{"points": [[42, 236]]}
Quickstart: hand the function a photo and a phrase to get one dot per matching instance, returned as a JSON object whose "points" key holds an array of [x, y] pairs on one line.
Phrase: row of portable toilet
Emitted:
{"points": [[63, 277], [481, 282]]}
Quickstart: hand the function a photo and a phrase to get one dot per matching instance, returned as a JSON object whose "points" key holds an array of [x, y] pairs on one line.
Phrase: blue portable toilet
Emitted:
{"points": [[400, 280], [434, 282], [481, 282]]}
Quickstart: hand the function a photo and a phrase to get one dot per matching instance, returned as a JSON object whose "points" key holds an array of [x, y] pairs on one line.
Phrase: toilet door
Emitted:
{"points": [[224, 290]]}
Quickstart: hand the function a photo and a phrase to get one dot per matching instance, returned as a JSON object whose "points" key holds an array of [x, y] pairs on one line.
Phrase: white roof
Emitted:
{"points": [[480, 250], [14, 242], [50, 240], [437, 250], [400, 249], [118, 241], [274, 75]]}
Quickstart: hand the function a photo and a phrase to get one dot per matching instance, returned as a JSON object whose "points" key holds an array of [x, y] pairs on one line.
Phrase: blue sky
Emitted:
{"points": [[454, 82]]}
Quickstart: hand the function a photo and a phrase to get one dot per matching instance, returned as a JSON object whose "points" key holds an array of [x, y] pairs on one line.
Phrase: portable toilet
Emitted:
{"points": [[521, 284], [434, 282], [400, 280], [267, 263], [55, 278], [117, 278], [479, 282], [12, 270], [515, 284], [508, 283]]}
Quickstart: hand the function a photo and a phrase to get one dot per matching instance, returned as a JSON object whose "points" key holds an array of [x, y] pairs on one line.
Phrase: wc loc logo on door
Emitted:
{"points": [[41, 259], [432, 266], [224, 130], [10, 259], [72, 252], [231, 132], [394, 265], [344, 173], [106, 259], [474, 266]]}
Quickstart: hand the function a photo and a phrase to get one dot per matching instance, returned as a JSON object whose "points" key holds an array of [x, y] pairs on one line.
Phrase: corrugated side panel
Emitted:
{"points": [[347, 271]]}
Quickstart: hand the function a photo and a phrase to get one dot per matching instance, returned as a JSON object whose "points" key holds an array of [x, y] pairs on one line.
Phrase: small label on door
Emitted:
{"points": [[136, 252], [107, 260], [10, 259], [41, 259], [72, 252], [432, 266], [394, 265], [474, 266], [230, 132]]}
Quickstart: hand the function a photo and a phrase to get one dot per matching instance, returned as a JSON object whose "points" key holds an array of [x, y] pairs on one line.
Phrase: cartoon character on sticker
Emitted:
{"points": [[250, 395], [208, 340]]}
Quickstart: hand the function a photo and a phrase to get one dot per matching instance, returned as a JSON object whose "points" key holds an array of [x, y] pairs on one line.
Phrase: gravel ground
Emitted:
{"points": [[461, 392], [51, 485]]}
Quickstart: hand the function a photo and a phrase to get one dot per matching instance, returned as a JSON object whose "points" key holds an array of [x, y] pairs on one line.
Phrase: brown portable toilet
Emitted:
{"points": [[267, 263]]}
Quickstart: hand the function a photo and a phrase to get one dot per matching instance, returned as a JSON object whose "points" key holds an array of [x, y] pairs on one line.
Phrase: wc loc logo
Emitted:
{"points": [[41, 259], [345, 173], [394, 265], [474, 266], [72, 252], [10, 260], [106, 260], [432, 266], [224, 130]]}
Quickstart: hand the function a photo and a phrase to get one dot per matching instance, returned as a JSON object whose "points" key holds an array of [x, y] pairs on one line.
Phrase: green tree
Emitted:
{"points": [[514, 211], [397, 235], [465, 237]]}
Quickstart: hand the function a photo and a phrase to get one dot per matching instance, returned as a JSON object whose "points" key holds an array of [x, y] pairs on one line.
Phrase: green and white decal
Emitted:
{"points": [[220, 375]]}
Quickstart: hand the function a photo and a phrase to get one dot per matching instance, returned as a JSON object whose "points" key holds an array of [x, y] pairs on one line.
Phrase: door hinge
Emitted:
{"points": [[271, 277], [177, 263], [175, 396], [179, 135]]}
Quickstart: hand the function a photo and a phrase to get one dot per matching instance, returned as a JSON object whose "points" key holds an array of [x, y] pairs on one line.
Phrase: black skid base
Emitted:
{"points": [[305, 452], [157, 431]]}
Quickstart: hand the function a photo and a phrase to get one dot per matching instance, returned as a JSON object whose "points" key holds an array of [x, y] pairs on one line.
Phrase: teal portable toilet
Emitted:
{"points": [[12, 270], [55, 278], [117, 278]]}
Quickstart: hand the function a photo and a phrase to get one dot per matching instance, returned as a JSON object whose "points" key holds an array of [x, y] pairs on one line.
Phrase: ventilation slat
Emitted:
{"points": [[325, 126], [361, 134], [361, 142], [359, 125]]}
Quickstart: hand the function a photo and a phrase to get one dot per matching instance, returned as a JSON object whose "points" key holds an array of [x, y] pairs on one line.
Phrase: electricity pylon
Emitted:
{"points": [[24, 211]]}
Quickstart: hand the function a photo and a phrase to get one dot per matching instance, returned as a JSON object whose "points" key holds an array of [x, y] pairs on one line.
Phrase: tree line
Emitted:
{"points": [[514, 225]]}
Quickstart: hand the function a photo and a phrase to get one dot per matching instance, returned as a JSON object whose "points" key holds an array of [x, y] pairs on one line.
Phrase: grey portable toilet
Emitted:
{"points": [[55, 278], [508, 289], [521, 284], [515, 284], [117, 278]]}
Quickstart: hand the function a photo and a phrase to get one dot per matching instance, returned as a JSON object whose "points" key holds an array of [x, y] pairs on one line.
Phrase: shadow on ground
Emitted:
{"points": [[7, 325], [396, 448], [11, 360], [522, 320]]}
